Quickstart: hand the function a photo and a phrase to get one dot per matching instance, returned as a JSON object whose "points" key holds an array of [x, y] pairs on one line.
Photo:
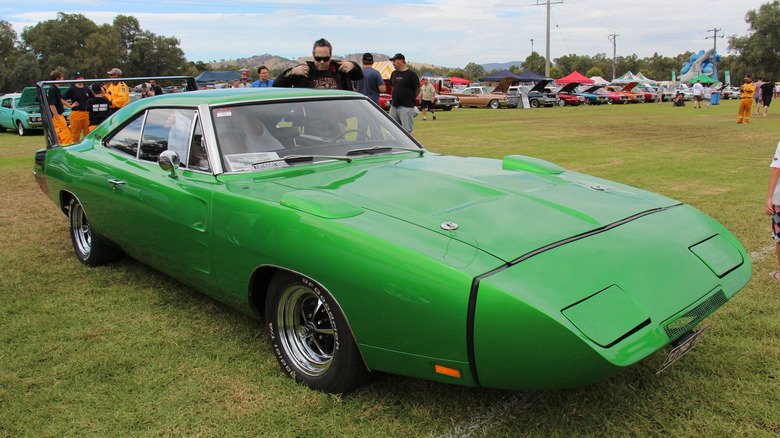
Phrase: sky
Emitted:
{"points": [[449, 33]]}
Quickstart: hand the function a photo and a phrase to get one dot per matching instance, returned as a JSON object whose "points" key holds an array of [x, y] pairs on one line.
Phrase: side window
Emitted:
{"points": [[198, 159], [166, 129], [6, 103], [126, 140]]}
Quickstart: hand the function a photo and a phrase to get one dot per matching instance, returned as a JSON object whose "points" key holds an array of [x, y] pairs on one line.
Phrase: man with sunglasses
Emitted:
{"points": [[324, 72]]}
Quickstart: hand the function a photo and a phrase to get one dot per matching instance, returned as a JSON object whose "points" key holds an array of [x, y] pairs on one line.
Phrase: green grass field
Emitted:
{"points": [[125, 351]]}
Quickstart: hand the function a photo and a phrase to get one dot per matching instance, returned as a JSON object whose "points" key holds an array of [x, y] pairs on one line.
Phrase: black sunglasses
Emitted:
{"points": [[322, 58]]}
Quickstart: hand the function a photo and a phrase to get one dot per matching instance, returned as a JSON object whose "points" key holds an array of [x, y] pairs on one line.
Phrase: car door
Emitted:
{"points": [[162, 218], [6, 108]]}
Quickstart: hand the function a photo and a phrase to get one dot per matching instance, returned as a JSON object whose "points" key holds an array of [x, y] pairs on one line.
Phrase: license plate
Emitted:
{"points": [[680, 350]]}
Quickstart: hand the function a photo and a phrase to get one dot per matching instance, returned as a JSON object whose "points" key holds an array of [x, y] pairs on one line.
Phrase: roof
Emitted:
{"points": [[575, 76], [209, 76]]}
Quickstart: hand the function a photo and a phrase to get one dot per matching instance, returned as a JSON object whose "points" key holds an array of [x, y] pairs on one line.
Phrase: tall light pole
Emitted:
{"points": [[532, 55], [613, 38], [547, 50]]}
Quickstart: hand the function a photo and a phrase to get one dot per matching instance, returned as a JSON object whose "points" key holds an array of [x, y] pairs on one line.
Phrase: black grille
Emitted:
{"points": [[689, 319]]}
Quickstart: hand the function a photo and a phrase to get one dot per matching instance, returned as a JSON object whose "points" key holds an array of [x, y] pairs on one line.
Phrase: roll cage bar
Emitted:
{"points": [[46, 116]]}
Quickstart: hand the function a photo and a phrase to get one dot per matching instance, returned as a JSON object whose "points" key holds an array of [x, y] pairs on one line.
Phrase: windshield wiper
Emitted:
{"points": [[377, 149], [290, 159]]}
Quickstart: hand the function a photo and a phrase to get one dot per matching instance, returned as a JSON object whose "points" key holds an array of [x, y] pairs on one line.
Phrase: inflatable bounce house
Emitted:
{"points": [[700, 63]]}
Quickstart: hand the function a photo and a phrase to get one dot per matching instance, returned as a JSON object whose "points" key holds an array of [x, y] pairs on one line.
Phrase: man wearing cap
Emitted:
{"points": [[406, 88], [372, 83], [324, 72], [78, 95], [746, 101], [117, 91]]}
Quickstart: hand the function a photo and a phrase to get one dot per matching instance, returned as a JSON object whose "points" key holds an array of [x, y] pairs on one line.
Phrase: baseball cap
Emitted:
{"points": [[398, 56], [367, 57], [115, 71], [78, 74]]}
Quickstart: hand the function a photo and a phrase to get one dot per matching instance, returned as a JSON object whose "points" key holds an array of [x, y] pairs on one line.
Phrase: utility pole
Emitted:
{"points": [[532, 55], [715, 37], [613, 38], [547, 51]]}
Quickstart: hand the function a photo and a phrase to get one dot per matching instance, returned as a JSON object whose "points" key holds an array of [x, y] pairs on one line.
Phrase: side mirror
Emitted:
{"points": [[169, 161]]}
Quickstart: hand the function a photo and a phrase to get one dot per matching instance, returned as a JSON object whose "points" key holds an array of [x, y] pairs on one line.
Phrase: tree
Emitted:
{"points": [[55, 42], [9, 52], [26, 72], [535, 63], [760, 49], [556, 72], [474, 71], [595, 71]]}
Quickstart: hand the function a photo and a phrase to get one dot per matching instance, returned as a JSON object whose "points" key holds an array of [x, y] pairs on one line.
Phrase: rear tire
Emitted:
{"points": [[310, 335], [89, 247]]}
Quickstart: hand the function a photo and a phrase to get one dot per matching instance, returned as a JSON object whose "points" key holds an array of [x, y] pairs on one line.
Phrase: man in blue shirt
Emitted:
{"points": [[372, 83], [263, 82]]}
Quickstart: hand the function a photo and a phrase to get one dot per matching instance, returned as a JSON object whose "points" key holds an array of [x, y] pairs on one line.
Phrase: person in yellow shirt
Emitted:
{"points": [[117, 91], [746, 102]]}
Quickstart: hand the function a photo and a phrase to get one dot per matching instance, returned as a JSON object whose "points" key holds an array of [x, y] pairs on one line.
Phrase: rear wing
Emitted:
{"points": [[46, 116]]}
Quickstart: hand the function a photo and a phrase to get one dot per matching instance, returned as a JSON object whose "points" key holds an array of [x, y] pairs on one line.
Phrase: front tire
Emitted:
{"points": [[20, 128], [310, 336], [534, 103], [494, 104], [561, 102], [89, 247]]}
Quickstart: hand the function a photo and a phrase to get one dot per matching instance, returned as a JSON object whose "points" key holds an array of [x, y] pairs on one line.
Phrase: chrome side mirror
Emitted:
{"points": [[169, 160]]}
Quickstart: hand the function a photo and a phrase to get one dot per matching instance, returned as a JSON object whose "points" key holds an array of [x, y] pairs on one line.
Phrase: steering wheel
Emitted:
{"points": [[349, 131]]}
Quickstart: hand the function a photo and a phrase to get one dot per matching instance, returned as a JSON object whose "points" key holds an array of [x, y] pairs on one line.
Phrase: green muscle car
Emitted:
{"points": [[361, 251]]}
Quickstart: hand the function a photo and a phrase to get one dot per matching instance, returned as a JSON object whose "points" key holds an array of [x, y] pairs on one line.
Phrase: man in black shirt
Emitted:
{"points": [[324, 72], [57, 109], [406, 88], [78, 95]]}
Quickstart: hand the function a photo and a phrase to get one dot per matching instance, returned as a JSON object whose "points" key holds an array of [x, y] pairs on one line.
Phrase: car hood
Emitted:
{"points": [[540, 86], [570, 87], [503, 207]]}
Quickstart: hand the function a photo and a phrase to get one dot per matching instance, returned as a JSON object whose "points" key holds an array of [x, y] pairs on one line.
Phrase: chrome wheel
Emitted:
{"points": [[80, 230], [306, 330], [89, 247]]}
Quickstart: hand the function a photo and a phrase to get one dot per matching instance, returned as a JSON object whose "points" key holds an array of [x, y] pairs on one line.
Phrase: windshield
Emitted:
{"points": [[259, 136]]}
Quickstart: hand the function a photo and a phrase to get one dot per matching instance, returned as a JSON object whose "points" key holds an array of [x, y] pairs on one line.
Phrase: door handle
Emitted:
{"points": [[116, 182]]}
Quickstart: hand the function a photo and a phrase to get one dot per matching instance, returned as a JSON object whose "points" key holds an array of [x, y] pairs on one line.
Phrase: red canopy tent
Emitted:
{"points": [[456, 80], [574, 77]]}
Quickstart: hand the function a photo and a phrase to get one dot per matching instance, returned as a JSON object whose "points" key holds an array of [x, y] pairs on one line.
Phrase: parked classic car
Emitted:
{"points": [[611, 95], [626, 91], [480, 96], [362, 251], [566, 95], [22, 112], [536, 95], [592, 98]]}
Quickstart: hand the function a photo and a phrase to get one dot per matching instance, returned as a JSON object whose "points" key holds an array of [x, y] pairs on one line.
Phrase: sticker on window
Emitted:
{"points": [[223, 112], [254, 161]]}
